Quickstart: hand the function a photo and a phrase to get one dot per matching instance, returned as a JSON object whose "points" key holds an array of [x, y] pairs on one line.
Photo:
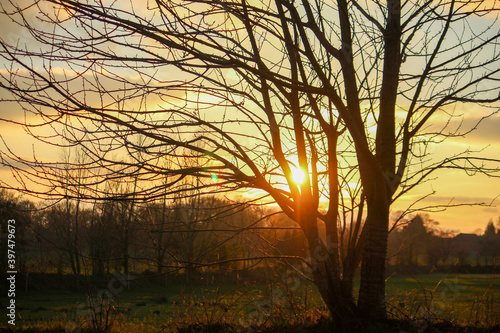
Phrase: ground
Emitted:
{"points": [[422, 303]]}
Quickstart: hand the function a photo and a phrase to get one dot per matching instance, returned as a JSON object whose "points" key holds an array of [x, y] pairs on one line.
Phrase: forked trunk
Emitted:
{"points": [[336, 292]]}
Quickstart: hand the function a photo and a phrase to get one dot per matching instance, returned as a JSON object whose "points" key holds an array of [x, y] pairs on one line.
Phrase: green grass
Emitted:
{"points": [[145, 304], [460, 299]]}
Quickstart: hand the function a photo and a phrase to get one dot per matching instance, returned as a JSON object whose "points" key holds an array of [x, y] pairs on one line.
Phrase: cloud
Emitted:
{"points": [[466, 218], [449, 199], [488, 131], [461, 199], [11, 31], [471, 126], [493, 210]]}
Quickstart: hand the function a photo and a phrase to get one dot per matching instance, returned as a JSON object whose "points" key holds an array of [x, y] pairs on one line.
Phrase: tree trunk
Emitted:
{"points": [[377, 176], [125, 252], [371, 301], [335, 292], [76, 238]]}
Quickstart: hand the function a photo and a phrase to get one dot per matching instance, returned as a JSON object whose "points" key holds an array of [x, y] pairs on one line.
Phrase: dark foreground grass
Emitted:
{"points": [[424, 303], [321, 326]]}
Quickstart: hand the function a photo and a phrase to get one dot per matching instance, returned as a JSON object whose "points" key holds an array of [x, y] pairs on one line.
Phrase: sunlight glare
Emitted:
{"points": [[298, 175]]}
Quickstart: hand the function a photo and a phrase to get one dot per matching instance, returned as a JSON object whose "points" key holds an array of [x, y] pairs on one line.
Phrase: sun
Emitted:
{"points": [[298, 175]]}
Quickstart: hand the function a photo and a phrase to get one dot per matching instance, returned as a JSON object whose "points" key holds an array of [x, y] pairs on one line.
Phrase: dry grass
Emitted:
{"points": [[430, 303]]}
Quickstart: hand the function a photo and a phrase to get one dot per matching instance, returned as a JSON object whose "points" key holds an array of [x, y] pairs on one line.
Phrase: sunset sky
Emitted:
{"points": [[451, 187]]}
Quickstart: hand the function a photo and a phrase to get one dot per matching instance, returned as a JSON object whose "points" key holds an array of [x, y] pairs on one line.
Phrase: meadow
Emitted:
{"points": [[143, 306]]}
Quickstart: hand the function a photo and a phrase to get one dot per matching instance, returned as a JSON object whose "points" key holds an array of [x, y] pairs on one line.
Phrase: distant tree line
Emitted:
{"points": [[196, 234], [419, 242], [188, 235]]}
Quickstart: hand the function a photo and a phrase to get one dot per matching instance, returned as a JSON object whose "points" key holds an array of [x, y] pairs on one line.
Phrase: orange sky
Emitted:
{"points": [[452, 186], [456, 187]]}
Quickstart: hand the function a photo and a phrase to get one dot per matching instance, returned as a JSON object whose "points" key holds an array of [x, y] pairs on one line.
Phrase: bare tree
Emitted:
{"points": [[349, 92], [16, 209]]}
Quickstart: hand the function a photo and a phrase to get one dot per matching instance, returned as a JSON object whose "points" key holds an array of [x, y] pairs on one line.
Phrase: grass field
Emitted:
{"points": [[145, 307], [462, 299]]}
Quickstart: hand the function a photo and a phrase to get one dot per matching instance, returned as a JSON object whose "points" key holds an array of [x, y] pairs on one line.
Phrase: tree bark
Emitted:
{"points": [[378, 175], [371, 301], [336, 292]]}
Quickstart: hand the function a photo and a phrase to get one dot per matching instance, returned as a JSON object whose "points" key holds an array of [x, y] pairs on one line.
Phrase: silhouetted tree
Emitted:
{"points": [[411, 244], [439, 249], [490, 243], [350, 92], [24, 243]]}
